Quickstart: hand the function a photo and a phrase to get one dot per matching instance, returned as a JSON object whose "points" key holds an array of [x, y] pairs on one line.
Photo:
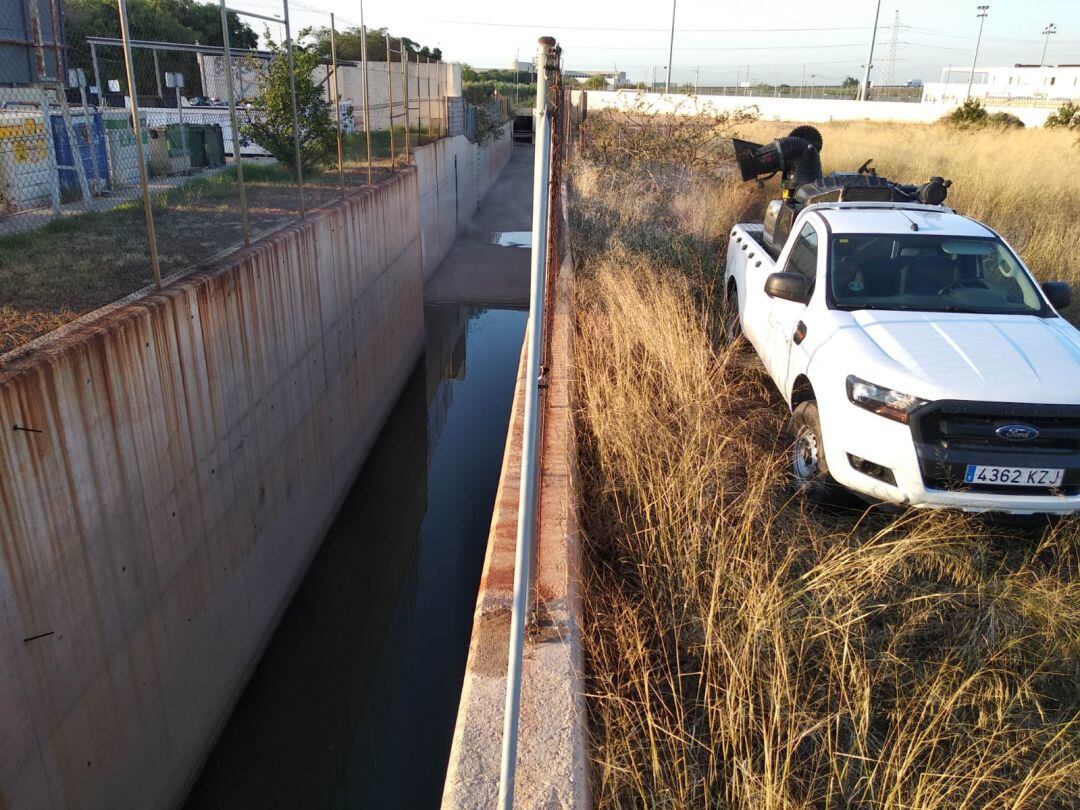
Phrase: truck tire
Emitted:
{"points": [[731, 325], [809, 469]]}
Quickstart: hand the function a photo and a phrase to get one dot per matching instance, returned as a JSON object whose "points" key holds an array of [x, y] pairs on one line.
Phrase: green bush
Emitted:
{"points": [[973, 115], [969, 114], [1005, 120], [1066, 116]]}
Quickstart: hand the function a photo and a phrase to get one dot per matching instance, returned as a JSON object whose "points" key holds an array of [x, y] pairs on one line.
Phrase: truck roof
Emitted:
{"points": [[892, 218]]}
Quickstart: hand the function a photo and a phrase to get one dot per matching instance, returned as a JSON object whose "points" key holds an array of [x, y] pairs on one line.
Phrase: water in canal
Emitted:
{"points": [[354, 701]]}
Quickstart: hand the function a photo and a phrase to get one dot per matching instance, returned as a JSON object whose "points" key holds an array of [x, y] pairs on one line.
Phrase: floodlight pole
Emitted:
{"points": [[864, 89], [971, 76], [1050, 29]]}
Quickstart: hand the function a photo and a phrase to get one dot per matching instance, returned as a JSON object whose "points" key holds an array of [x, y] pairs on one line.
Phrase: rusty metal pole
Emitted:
{"points": [[403, 52], [234, 122], [419, 104], [295, 111], [390, 103], [429, 98], [367, 106], [337, 105], [148, 210]]}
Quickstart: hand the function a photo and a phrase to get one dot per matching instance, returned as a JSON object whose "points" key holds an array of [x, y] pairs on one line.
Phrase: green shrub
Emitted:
{"points": [[1005, 120], [969, 114], [1066, 116], [973, 115]]}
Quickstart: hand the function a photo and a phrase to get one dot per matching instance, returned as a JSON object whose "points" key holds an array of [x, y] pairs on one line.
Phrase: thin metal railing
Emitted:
{"points": [[527, 498]]}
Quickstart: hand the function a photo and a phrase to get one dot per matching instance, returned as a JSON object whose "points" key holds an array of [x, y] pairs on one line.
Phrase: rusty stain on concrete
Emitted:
{"points": [[196, 441]]}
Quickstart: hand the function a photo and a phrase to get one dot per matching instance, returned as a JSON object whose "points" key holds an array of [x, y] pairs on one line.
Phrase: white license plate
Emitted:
{"points": [[1014, 476]]}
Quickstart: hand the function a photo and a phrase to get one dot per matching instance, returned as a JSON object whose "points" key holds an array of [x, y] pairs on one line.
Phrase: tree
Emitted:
{"points": [[1067, 116], [182, 21], [596, 83], [272, 127], [348, 45], [850, 82]]}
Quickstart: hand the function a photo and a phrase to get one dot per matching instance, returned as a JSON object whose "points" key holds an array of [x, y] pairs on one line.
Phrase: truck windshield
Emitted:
{"points": [[929, 274]]}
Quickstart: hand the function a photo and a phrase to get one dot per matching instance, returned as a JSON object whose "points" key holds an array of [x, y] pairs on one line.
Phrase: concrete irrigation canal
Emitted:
{"points": [[244, 517], [354, 701]]}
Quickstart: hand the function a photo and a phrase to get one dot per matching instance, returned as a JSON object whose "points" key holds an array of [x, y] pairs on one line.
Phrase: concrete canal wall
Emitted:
{"points": [[454, 175], [169, 465]]}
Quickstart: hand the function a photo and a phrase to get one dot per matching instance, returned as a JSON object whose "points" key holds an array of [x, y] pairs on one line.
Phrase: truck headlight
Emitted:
{"points": [[882, 401]]}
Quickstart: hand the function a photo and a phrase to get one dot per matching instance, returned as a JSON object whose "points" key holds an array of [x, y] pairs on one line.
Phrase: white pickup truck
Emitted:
{"points": [[923, 363]]}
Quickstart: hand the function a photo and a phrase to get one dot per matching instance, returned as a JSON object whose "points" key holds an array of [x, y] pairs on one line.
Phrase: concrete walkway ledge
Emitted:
{"points": [[552, 770]]}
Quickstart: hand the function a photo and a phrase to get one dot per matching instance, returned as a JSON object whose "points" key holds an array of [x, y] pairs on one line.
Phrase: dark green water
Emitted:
{"points": [[354, 701]]}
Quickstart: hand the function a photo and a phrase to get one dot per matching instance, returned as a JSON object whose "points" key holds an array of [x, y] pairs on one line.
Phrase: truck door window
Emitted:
{"points": [[803, 258]]}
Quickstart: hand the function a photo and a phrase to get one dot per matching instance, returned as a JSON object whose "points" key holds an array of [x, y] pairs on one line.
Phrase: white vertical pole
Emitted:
{"points": [[864, 89], [526, 526], [975, 58], [671, 50]]}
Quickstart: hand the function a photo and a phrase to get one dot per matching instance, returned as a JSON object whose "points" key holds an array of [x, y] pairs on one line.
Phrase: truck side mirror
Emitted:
{"points": [[1058, 293], [788, 286]]}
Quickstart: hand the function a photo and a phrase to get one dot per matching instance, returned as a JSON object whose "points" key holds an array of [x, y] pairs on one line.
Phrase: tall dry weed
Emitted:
{"points": [[744, 650]]}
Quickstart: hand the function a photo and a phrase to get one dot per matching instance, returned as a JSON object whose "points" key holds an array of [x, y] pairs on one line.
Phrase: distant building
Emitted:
{"points": [[615, 79], [1049, 83], [32, 47]]}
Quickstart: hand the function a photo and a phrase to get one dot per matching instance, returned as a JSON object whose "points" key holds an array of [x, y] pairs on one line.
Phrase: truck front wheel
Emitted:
{"points": [[809, 469]]}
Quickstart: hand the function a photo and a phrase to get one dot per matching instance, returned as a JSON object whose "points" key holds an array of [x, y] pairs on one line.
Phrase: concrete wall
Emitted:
{"points": [[454, 175], [793, 109], [174, 463], [437, 80], [552, 756]]}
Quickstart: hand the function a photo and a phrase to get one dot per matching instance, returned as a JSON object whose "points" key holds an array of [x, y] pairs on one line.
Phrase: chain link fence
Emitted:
{"points": [[143, 147]]}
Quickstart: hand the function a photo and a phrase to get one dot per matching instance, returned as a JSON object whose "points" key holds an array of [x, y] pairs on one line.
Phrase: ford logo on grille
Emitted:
{"points": [[1017, 433]]}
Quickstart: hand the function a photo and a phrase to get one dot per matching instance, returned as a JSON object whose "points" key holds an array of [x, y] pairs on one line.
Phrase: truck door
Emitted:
{"points": [[784, 316]]}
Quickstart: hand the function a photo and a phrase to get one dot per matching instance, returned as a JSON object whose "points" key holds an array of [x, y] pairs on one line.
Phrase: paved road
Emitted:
{"points": [[481, 273]]}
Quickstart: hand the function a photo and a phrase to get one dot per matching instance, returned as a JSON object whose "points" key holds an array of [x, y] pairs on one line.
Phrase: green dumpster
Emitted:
{"points": [[196, 144], [215, 145]]}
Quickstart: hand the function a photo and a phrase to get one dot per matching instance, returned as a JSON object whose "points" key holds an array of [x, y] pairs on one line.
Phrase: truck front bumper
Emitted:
{"points": [[913, 466]]}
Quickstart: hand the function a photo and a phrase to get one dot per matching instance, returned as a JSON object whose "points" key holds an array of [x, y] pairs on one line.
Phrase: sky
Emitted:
{"points": [[718, 41]]}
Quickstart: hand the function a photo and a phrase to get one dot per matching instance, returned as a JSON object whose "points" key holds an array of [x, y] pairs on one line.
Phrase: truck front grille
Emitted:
{"points": [[951, 434]]}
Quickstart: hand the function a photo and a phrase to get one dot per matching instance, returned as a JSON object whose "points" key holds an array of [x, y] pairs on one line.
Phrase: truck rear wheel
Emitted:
{"points": [[809, 469]]}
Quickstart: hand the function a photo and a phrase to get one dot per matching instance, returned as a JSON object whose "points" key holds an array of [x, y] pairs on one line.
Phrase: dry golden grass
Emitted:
{"points": [[745, 650]]}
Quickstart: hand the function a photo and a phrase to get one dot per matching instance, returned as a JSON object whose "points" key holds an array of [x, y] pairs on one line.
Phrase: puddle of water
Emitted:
{"points": [[518, 239], [354, 701]]}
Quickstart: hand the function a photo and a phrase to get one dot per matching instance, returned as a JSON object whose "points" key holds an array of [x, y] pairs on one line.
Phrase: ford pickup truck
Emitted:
{"points": [[923, 363]]}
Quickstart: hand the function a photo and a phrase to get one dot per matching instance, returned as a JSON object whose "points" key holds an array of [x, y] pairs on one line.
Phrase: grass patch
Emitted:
{"points": [[76, 264], [743, 649]]}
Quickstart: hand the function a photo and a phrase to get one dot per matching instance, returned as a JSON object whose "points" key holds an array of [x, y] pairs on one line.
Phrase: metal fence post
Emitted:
{"points": [[337, 105], [295, 111], [419, 104], [390, 97], [129, 65], [526, 524], [367, 106], [403, 53], [235, 124], [429, 98]]}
